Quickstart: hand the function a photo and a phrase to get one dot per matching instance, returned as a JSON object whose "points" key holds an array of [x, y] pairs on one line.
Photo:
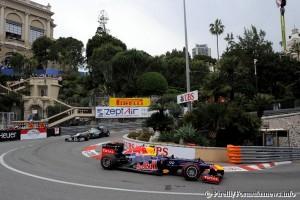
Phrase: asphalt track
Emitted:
{"points": [[51, 169]]}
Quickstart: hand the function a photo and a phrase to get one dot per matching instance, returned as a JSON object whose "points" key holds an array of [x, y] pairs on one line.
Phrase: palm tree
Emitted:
{"points": [[296, 49], [217, 28]]}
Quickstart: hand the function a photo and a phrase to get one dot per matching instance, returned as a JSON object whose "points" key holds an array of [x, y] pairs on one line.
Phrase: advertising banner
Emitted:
{"points": [[9, 135], [29, 134], [187, 97], [122, 112], [167, 150], [129, 102]]}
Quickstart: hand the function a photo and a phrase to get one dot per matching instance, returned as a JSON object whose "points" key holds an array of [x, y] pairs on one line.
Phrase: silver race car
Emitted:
{"points": [[92, 133]]}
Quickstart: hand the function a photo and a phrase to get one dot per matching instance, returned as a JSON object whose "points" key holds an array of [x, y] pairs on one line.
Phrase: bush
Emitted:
{"points": [[190, 135], [134, 135], [159, 121], [167, 136], [144, 136], [152, 83]]}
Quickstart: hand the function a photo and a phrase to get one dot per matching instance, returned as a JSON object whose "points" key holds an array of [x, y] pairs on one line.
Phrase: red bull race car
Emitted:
{"points": [[145, 160]]}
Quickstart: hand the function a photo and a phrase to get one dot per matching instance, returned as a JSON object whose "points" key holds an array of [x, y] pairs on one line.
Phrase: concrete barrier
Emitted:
{"points": [[212, 154], [208, 154]]}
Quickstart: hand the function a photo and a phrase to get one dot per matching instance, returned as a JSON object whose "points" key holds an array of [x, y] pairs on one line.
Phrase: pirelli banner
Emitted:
{"points": [[129, 102]]}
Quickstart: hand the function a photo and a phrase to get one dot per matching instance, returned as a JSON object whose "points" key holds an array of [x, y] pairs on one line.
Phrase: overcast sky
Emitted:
{"points": [[156, 26]]}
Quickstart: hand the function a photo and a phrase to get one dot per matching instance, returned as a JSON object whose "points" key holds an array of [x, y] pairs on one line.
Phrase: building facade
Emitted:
{"points": [[201, 49], [21, 23], [294, 38], [43, 93]]}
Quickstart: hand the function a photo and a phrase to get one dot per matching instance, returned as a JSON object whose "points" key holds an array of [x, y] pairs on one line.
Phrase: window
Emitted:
{"points": [[35, 33], [13, 30], [43, 91]]}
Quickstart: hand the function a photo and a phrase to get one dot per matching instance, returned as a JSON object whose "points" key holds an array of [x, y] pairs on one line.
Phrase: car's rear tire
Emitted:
{"points": [[191, 172], [107, 134], [108, 162]]}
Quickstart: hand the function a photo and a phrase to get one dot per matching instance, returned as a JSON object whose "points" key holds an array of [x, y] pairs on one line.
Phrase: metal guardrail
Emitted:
{"points": [[261, 154]]}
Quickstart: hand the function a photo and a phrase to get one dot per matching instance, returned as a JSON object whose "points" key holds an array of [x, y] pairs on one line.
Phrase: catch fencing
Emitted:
{"points": [[261, 154]]}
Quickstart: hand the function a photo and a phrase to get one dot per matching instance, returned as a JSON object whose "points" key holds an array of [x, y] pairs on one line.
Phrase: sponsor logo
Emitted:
{"points": [[187, 97], [158, 149], [128, 102], [108, 151], [33, 132], [210, 179], [8, 135], [122, 112], [147, 166]]}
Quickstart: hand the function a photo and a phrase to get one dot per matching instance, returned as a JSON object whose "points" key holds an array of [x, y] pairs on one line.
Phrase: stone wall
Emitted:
{"points": [[290, 122]]}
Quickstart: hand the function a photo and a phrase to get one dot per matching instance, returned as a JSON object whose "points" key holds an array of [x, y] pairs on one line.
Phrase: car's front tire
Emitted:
{"points": [[191, 172]]}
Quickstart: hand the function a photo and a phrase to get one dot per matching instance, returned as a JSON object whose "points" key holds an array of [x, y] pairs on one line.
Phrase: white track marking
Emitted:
{"points": [[282, 163], [233, 169], [4, 164]]}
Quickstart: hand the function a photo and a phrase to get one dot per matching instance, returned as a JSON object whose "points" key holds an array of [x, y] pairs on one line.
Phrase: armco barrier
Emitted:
{"points": [[261, 154], [209, 154]]}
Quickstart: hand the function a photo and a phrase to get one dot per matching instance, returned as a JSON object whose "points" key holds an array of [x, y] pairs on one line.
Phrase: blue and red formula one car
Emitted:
{"points": [[145, 160]]}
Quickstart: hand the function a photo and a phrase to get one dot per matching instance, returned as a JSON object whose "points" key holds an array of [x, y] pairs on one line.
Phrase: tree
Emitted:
{"points": [[73, 90], [175, 68], [69, 53], [224, 123], [101, 66], [30, 65], [199, 69], [230, 41], [160, 120], [152, 83], [100, 40], [17, 62], [237, 63], [217, 28], [43, 51], [260, 102], [7, 101], [127, 67]]}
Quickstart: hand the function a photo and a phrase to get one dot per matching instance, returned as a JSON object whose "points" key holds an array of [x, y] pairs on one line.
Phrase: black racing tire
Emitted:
{"points": [[221, 173], [107, 134], [191, 172], [108, 162], [86, 138]]}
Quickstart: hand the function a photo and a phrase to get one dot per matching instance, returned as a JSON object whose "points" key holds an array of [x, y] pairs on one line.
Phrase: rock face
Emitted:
{"points": [[291, 123]]}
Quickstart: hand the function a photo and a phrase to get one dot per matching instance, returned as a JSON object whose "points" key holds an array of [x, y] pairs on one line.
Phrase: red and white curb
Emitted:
{"points": [[254, 167], [93, 151]]}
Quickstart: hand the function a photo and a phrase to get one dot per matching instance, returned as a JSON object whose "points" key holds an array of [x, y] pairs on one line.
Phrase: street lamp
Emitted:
{"points": [[255, 73], [187, 67]]}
